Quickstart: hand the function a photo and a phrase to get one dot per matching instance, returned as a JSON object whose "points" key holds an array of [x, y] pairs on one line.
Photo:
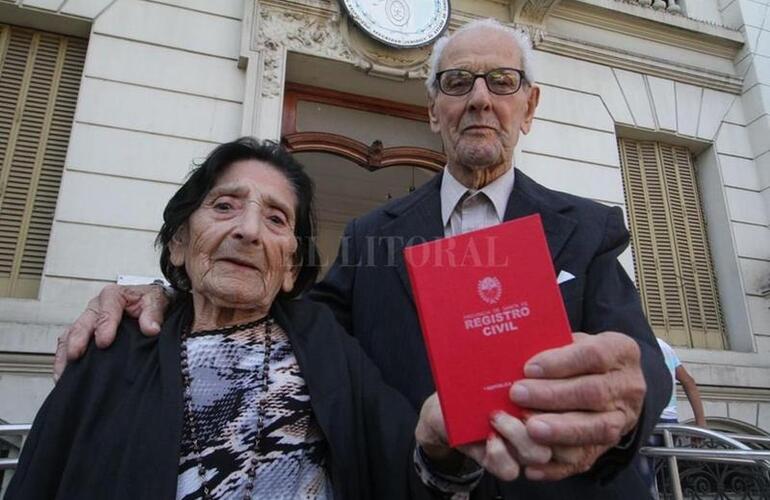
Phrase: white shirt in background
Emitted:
{"points": [[672, 362]]}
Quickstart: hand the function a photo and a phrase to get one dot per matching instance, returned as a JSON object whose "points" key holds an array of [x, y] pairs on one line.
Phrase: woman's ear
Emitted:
{"points": [[290, 277], [178, 245]]}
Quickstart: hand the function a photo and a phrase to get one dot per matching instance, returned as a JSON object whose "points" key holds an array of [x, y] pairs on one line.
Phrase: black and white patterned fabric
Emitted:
{"points": [[225, 369]]}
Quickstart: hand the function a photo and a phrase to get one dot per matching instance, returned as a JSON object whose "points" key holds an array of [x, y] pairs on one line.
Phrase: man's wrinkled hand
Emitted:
{"points": [[502, 454], [584, 397], [102, 316]]}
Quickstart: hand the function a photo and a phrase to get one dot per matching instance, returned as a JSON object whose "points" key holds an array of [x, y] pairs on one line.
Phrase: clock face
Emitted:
{"points": [[400, 23]]}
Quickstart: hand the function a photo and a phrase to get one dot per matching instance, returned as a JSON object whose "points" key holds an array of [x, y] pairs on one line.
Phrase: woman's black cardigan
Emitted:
{"points": [[111, 428]]}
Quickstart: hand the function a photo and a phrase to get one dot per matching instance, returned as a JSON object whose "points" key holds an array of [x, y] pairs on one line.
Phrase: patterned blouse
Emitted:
{"points": [[225, 370]]}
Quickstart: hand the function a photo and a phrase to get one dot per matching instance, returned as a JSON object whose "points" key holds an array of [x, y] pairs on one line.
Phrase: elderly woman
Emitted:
{"points": [[250, 391]]}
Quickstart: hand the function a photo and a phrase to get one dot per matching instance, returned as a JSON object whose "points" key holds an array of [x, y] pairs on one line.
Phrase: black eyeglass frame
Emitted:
{"points": [[522, 80]]}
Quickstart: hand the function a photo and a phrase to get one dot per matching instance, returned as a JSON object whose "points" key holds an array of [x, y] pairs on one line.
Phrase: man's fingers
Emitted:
{"points": [[514, 433], [111, 303], [430, 432], [495, 457], [588, 392], [577, 428], [598, 353], [571, 454], [567, 461], [498, 460], [553, 471], [153, 306], [81, 331]]}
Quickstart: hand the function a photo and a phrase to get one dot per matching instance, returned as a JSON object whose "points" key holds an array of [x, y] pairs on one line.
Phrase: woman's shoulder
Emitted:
{"points": [[302, 313], [103, 364]]}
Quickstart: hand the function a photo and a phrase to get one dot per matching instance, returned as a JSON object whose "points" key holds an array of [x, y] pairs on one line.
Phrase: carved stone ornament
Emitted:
{"points": [[532, 12], [330, 37], [281, 30], [383, 61]]}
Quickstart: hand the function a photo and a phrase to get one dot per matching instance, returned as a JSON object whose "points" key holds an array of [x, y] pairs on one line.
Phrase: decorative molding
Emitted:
{"points": [[383, 61], [637, 63], [532, 12], [278, 31], [329, 34], [319, 28], [730, 394], [371, 157], [659, 16], [273, 69], [26, 364], [687, 33]]}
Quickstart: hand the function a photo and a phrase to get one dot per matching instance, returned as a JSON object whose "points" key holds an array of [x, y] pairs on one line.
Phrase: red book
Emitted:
{"points": [[487, 301]]}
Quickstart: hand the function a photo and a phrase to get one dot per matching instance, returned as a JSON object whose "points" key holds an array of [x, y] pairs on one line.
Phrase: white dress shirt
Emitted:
{"points": [[464, 209]]}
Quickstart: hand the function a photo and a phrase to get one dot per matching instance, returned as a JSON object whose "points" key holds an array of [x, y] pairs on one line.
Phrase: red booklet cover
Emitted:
{"points": [[487, 301]]}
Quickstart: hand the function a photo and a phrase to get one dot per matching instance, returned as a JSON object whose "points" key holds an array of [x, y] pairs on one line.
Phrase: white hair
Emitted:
{"points": [[519, 37]]}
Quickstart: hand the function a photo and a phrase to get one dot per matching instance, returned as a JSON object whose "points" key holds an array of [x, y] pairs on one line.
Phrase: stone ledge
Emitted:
{"points": [[661, 16], [638, 63], [731, 358], [729, 394], [26, 364]]}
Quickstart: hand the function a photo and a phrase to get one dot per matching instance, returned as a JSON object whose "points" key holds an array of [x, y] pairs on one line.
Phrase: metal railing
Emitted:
{"points": [[692, 463], [702, 463], [12, 438]]}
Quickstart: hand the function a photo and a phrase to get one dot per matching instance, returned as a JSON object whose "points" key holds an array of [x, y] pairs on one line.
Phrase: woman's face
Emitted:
{"points": [[238, 246]]}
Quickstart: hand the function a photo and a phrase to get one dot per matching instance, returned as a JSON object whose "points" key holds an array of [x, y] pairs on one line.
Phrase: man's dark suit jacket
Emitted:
{"points": [[369, 291]]}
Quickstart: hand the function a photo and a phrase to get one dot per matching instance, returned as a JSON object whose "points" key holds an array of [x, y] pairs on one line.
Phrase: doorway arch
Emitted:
{"points": [[372, 157]]}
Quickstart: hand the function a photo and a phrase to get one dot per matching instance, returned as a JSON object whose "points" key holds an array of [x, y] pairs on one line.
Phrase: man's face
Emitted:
{"points": [[480, 129]]}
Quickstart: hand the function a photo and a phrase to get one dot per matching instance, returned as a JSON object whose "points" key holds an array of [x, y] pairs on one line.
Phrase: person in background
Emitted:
{"points": [[681, 375], [670, 414]]}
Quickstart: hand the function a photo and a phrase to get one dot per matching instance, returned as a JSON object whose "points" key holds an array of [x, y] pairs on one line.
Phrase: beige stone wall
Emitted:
{"points": [[163, 84], [160, 87]]}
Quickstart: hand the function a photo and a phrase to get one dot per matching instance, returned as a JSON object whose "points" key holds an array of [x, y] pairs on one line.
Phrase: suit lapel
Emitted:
{"points": [[527, 198], [417, 220]]}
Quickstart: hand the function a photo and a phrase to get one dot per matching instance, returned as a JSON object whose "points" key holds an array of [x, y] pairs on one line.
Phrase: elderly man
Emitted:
{"points": [[593, 402]]}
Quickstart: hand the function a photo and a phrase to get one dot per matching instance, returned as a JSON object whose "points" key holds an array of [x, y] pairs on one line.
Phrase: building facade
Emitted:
{"points": [[659, 107]]}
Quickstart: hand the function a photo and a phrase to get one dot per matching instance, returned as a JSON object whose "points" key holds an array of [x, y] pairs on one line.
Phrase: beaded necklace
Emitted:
{"points": [[264, 381]]}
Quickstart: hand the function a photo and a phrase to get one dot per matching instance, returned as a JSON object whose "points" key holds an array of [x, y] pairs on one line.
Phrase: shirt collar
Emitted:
{"points": [[498, 191]]}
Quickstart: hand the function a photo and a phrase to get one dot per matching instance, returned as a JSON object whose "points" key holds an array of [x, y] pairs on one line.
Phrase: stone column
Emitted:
{"points": [[265, 63]]}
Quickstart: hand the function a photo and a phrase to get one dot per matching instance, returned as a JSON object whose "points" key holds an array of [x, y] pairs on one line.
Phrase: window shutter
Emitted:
{"points": [[671, 254], [39, 81], [697, 277]]}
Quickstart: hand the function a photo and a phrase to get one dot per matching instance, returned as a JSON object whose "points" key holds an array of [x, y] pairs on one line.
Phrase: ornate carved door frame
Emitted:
{"points": [[371, 157]]}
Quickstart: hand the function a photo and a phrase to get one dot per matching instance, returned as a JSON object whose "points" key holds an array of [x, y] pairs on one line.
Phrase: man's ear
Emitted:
{"points": [[532, 102], [178, 245], [432, 118]]}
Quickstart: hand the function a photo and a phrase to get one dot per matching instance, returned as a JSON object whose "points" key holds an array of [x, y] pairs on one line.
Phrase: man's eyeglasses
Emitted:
{"points": [[500, 81]]}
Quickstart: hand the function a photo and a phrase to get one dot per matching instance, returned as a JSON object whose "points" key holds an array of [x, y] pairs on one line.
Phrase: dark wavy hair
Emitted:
{"points": [[202, 178]]}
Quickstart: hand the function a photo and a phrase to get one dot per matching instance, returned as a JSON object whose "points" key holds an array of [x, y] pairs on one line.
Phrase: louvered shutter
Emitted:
{"points": [[670, 246], [39, 80]]}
